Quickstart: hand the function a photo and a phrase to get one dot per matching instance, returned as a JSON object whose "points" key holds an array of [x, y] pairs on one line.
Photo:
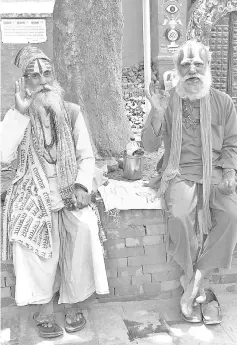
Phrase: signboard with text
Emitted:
{"points": [[23, 30]]}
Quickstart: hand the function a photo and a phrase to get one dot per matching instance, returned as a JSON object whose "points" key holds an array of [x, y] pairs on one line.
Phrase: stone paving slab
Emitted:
{"points": [[109, 325], [149, 322]]}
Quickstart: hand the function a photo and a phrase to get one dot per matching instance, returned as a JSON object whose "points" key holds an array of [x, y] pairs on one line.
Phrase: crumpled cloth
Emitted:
{"points": [[124, 195]]}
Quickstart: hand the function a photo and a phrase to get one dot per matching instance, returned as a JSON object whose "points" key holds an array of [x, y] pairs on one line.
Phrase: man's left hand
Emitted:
{"points": [[227, 186], [82, 198]]}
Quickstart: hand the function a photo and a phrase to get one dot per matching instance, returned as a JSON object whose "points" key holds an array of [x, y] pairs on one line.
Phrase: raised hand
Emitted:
{"points": [[23, 96], [157, 97], [159, 101]]}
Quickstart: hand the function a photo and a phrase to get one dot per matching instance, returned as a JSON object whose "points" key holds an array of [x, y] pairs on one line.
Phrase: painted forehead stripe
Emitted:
{"points": [[38, 65], [192, 51]]}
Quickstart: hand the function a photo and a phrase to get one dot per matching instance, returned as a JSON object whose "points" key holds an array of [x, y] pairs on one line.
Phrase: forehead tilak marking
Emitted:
{"points": [[39, 66], [31, 67], [191, 51]]}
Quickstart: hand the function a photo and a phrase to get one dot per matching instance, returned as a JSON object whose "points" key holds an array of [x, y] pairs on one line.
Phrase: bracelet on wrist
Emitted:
{"points": [[226, 171], [78, 185]]}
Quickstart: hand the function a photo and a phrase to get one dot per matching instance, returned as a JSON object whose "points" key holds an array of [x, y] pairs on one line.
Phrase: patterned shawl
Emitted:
{"points": [[27, 211]]}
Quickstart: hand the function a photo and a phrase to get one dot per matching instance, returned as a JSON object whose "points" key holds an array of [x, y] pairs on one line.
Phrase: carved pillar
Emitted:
{"points": [[172, 16]]}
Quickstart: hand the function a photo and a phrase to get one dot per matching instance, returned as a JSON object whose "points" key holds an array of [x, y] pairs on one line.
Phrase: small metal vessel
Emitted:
{"points": [[133, 167]]}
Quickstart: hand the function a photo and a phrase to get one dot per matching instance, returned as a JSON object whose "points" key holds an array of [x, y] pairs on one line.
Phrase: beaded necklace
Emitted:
{"points": [[188, 119], [48, 147]]}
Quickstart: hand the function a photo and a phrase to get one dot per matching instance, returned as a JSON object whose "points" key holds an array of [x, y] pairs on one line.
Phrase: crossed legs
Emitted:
{"points": [[181, 203]]}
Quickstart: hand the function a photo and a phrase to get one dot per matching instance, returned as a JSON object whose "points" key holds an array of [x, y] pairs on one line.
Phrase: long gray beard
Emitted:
{"points": [[193, 92], [52, 98]]}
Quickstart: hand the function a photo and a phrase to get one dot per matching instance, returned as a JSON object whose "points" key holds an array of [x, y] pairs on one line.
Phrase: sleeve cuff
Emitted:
{"points": [[83, 180]]}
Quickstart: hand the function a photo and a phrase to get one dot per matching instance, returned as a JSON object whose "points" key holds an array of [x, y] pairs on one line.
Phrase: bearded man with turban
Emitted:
{"points": [[48, 217], [196, 183]]}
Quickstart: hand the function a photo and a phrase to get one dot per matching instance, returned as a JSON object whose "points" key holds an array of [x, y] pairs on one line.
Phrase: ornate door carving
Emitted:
{"points": [[215, 23], [219, 46], [223, 44], [232, 82]]}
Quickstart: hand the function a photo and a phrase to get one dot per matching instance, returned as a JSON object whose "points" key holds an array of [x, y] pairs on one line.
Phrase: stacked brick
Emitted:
{"points": [[7, 283], [137, 263]]}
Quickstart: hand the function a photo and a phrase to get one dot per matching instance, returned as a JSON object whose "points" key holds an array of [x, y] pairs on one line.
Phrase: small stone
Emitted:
{"points": [[232, 288]]}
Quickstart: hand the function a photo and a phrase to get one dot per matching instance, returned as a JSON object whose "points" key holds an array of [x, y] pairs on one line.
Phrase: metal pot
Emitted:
{"points": [[133, 167]]}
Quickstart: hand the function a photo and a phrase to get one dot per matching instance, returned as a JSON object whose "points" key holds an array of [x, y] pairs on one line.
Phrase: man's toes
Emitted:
{"points": [[202, 296], [46, 325], [68, 320]]}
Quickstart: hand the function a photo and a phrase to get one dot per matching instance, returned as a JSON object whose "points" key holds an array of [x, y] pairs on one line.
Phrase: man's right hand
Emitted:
{"points": [[159, 101], [23, 96], [158, 98]]}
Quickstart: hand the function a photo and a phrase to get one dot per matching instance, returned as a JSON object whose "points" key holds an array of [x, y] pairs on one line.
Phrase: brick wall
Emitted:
{"points": [[137, 264], [7, 283]]}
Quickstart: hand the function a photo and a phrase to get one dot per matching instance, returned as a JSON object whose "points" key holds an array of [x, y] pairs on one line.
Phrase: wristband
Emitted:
{"points": [[227, 171], [78, 185]]}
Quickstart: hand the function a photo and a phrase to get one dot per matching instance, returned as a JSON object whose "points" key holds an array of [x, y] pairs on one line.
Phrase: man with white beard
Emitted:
{"points": [[47, 218], [197, 180]]}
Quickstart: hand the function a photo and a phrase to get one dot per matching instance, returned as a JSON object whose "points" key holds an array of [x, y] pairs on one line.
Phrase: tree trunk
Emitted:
{"points": [[88, 65]]}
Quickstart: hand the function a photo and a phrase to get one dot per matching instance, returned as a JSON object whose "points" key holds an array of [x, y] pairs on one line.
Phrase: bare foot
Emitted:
{"points": [[73, 315], [191, 292], [184, 281], [202, 296], [46, 321], [45, 314]]}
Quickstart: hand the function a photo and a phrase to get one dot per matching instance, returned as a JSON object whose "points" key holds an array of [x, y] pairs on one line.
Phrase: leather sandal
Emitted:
{"points": [[211, 309], [47, 332], [77, 325]]}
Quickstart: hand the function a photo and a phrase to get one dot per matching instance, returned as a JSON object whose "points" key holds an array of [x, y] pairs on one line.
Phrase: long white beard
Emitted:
{"points": [[50, 96], [196, 90]]}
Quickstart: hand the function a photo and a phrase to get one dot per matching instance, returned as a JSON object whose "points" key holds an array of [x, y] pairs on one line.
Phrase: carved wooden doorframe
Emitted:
{"points": [[214, 22], [205, 14]]}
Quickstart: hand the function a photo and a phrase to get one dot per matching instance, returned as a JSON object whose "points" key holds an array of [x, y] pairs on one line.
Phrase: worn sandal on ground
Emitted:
{"points": [[211, 310], [196, 315], [47, 332], [77, 325]]}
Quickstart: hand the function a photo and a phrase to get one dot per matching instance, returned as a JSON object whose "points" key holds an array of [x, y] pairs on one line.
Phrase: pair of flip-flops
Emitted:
{"points": [[55, 330], [208, 312]]}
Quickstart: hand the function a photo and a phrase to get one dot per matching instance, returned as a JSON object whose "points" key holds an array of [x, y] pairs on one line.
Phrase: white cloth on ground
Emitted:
{"points": [[124, 195]]}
